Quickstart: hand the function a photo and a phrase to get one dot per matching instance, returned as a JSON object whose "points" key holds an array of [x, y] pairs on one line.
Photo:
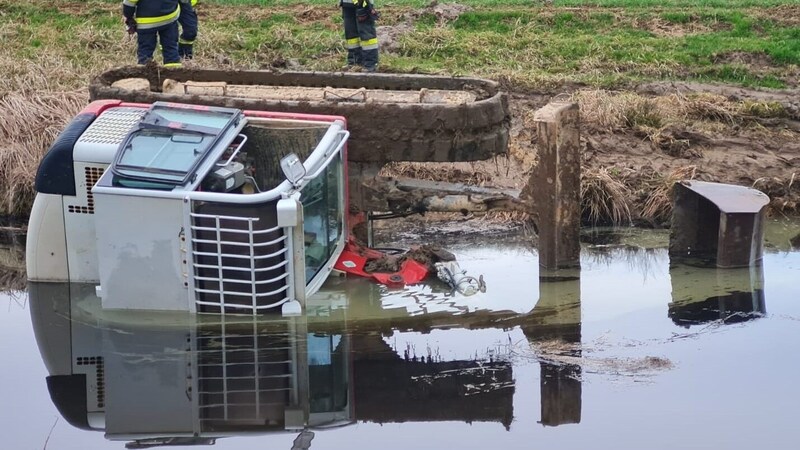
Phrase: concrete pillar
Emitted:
{"points": [[555, 186]]}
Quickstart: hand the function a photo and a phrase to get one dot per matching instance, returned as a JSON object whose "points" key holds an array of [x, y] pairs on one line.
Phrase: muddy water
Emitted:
{"points": [[637, 354]]}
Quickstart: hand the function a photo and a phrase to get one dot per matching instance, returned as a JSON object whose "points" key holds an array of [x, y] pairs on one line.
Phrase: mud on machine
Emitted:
{"points": [[170, 206]]}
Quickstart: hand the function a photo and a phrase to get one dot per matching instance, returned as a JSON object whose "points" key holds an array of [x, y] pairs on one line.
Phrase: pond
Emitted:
{"points": [[637, 353]]}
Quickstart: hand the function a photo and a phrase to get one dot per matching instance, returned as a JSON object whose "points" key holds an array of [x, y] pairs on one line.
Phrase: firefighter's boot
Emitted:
{"points": [[370, 59], [355, 56], [186, 51]]}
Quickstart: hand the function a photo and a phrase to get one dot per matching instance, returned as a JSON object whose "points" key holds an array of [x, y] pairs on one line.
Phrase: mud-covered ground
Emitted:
{"points": [[759, 152]]}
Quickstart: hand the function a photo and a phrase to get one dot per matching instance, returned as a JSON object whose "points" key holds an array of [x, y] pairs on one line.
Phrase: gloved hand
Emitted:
{"points": [[130, 24], [366, 13]]}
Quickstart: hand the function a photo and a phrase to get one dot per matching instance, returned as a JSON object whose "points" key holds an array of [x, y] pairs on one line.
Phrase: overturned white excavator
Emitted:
{"points": [[193, 208]]}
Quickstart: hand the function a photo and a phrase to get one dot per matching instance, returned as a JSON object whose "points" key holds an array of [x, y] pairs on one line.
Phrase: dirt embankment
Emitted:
{"points": [[637, 142], [667, 131]]}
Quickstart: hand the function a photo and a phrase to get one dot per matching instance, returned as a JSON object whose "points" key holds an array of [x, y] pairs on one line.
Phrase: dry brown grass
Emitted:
{"points": [[29, 123], [12, 280], [507, 217], [611, 110], [604, 198], [704, 106], [783, 192], [658, 205]]}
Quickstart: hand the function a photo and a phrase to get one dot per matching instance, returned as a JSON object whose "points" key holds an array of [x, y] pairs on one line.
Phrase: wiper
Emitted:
{"points": [[155, 121]]}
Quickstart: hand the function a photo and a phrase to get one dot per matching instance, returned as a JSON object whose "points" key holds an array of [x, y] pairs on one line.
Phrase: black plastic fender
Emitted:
{"points": [[68, 393], [56, 174]]}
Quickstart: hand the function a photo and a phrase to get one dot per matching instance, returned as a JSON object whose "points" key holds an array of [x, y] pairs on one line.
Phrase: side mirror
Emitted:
{"points": [[293, 168]]}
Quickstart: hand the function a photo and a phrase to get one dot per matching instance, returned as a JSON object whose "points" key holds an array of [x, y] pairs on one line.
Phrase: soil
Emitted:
{"points": [[764, 153]]}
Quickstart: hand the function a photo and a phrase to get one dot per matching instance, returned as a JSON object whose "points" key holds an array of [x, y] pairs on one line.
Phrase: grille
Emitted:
{"points": [[91, 174], [240, 263], [244, 377], [100, 381], [112, 126]]}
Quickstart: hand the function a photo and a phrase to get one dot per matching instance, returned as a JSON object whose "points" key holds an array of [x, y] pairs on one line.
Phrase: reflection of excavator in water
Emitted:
{"points": [[155, 379], [232, 204]]}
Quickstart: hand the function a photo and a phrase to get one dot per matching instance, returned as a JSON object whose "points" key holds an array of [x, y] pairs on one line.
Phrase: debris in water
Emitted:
{"points": [[455, 277]]}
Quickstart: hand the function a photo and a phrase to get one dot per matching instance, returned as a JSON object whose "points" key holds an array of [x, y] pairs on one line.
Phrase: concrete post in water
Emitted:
{"points": [[555, 184], [719, 224]]}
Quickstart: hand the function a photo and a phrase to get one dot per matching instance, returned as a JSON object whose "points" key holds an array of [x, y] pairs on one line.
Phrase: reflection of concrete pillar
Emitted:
{"points": [[718, 223], [297, 413], [561, 391], [555, 320], [702, 295], [357, 174], [555, 185]]}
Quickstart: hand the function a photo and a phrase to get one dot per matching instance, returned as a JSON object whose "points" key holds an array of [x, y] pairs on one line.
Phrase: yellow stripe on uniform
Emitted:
{"points": [[172, 65], [185, 41], [369, 44], [130, 2], [353, 43], [165, 18]]}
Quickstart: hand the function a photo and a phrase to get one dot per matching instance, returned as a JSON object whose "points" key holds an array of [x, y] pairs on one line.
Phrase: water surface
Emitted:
{"points": [[636, 354]]}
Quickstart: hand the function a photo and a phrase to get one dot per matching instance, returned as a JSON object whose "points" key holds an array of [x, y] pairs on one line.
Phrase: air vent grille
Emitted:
{"points": [[112, 126], [92, 174], [100, 379]]}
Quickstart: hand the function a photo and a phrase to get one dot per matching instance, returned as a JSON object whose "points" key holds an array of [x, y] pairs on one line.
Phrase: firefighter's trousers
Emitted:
{"points": [[149, 39], [361, 39], [188, 22]]}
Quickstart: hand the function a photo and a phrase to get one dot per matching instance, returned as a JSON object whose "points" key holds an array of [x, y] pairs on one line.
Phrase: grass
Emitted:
{"points": [[51, 48], [619, 110], [527, 43], [604, 198], [657, 206]]}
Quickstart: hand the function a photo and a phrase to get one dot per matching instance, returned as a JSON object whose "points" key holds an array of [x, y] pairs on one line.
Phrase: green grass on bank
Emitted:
{"points": [[744, 42]]}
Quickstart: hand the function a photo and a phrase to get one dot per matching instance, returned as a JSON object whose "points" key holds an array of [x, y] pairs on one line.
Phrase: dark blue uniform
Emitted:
{"points": [[361, 38], [154, 21], [188, 21]]}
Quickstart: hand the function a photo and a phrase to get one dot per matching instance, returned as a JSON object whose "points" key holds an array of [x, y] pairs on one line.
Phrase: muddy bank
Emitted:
{"points": [[636, 143]]}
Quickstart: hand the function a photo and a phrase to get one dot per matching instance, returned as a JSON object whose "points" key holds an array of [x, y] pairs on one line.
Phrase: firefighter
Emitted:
{"points": [[359, 32], [188, 21], [154, 21]]}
